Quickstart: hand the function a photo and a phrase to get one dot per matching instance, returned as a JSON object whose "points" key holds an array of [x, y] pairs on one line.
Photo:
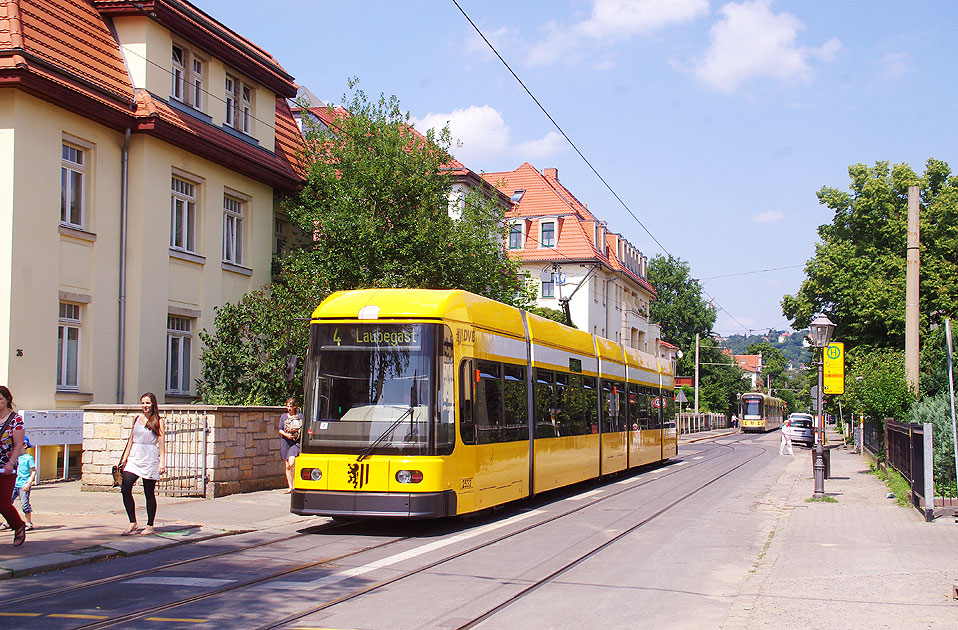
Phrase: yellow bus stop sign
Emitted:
{"points": [[833, 371]]}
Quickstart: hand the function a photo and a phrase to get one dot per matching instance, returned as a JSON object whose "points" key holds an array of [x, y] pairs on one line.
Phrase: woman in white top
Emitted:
{"points": [[143, 458]]}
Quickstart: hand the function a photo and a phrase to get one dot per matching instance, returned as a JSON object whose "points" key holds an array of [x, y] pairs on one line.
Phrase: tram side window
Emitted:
{"points": [[572, 412], [623, 421], [544, 405], [613, 406], [467, 423], [591, 401], [668, 420], [658, 402], [644, 404], [488, 410], [516, 403]]}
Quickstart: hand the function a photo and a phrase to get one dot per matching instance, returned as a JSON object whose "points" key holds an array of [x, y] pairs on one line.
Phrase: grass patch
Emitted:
{"points": [[896, 484], [824, 499]]}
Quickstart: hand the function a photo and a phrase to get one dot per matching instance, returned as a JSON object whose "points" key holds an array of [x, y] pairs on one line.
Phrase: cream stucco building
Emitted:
{"points": [[142, 146]]}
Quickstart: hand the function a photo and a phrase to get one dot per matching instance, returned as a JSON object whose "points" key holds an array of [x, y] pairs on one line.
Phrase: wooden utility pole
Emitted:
{"points": [[911, 292]]}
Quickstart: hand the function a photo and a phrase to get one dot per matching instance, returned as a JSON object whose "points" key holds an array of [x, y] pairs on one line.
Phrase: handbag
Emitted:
{"points": [[117, 474]]}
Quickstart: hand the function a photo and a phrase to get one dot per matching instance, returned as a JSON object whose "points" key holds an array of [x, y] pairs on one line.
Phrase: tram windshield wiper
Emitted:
{"points": [[392, 427]]}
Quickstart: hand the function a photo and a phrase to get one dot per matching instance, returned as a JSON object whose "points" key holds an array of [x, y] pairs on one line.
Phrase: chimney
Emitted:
{"points": [[551, 172]]}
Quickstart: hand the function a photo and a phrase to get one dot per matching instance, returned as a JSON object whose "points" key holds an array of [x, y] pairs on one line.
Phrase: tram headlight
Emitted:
{"points": [[311, 474], [409, 476]]}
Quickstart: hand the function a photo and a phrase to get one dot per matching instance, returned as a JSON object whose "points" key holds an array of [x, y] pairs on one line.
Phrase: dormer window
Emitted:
{"points": [[239, 104], [517, 196], [515, 236], [189, 72], [547, 237]]}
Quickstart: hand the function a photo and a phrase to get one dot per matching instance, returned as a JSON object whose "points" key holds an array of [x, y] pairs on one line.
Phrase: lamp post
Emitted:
{"points": [[821, 333]]}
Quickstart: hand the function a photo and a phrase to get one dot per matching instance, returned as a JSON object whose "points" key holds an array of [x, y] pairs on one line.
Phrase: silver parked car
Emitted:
{"points": [[800, 428]]}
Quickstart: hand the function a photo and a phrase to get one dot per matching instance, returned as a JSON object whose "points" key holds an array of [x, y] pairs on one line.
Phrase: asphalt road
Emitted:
{"points": [[669, 546]]}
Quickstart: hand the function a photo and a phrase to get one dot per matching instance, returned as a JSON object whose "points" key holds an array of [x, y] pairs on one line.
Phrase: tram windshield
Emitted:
{"points": [[751, 406], [372, 389]]}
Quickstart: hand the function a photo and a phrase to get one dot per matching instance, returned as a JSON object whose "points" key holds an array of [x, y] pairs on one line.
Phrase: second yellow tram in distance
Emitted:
{"points": [[761, 412], [425, 403]]}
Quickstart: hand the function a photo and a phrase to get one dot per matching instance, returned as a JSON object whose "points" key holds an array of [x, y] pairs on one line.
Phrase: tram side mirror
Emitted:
{"points": [[291, 362]]}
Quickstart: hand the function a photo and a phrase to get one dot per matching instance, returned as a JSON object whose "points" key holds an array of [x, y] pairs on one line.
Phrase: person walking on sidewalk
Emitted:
{"points": [[290, 424], [26, 475], [143, 458], [11, 445], [786, 438]]}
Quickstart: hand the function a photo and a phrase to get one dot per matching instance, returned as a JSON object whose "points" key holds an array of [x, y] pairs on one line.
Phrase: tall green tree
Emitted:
{"points": [[378, 201], [679, 308], [857, 275]]}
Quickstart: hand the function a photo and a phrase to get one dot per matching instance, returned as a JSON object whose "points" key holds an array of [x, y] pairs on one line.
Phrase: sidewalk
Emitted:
{"points": [[74, 527], [861, 562]]}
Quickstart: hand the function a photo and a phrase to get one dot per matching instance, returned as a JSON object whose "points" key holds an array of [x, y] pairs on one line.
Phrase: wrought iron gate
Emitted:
{"points": [[185, 443]]}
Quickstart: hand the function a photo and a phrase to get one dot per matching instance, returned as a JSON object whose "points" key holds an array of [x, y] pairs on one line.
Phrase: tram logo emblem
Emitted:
{"points": [[358, 475]]}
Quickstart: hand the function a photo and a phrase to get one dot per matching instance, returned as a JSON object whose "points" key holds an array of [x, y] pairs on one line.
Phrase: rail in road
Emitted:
{"points": [[32, 606]]}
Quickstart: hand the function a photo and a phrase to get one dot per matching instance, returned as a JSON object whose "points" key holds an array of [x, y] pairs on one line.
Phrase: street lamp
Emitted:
{"points": [[821, 333]]}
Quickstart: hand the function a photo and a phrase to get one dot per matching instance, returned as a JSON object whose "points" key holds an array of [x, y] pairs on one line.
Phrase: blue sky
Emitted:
{"points": [[715, 122]]}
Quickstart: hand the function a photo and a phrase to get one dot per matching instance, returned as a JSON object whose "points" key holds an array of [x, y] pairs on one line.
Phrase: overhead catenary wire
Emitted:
{"points": [[580, 154]]}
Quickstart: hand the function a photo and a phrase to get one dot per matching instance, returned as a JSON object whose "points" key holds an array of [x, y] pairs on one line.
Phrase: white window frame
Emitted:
{"points": [[73, 171], [183, 213], [234, 211], [279, 237], [551, 284], [189, 74], [542, 229], [179, 343], [239, 104], [70, 322]]}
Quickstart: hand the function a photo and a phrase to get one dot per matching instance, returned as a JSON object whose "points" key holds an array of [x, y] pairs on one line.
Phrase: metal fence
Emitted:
{"points": [[185, 443], [908, 450]]}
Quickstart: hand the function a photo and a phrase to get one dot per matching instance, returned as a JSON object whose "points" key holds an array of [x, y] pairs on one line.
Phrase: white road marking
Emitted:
{"points": [[699, 457], [394, 559], [178, 581], [624, 482], [682, 463], [579, 497]]}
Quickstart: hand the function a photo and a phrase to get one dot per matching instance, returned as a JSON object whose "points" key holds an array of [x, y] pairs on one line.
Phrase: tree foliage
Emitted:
{"points": [[857, 275], [875, 384], [679, 308], [937, 411], [377, 201]]}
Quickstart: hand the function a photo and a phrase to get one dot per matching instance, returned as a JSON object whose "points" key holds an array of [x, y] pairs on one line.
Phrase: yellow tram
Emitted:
{"points": [[761, 412], [425, 403]]}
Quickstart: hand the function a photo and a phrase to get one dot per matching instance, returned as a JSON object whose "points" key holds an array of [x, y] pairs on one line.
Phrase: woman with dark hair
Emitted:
{"points": [[143, 458], [290, 424], [11, 445]]}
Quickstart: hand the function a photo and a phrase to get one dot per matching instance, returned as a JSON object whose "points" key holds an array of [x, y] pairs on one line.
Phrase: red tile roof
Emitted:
{"points": [[749, 362], [545, 197], [64, 52]]}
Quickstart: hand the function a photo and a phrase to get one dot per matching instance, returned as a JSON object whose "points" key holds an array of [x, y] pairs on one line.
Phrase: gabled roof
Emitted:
{"points": [[749, 362], [64, 52], [544, 197]]}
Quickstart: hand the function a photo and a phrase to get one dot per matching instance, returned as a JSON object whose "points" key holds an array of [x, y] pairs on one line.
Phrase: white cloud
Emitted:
{"points": [[484, 135], [769, 216], [896, 65], [751, 41], [611, 20]]}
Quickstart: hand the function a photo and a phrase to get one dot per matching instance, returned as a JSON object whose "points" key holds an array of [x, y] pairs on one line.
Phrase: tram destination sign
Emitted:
{"points": [[833, 369], [400, 336]]}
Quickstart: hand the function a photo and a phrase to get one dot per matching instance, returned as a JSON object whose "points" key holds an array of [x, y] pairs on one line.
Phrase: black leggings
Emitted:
{"points": [[149, 487]]}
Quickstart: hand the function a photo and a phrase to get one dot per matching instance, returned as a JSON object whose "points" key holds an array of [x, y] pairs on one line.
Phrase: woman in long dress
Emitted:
{"points": [[143, 458]]}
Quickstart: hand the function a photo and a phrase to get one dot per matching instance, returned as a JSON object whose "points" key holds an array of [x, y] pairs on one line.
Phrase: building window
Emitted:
{"points": [[232, 230], [549, 287], [548, 238], [178, 342], [183, 215], [72, 171], [279, 238], [188, 72], [515, 236], [68, 346], [517, 196], [239, 104]]}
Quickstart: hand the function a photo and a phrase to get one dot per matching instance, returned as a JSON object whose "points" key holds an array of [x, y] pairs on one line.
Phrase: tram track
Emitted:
{"points": [[289, 571]]}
